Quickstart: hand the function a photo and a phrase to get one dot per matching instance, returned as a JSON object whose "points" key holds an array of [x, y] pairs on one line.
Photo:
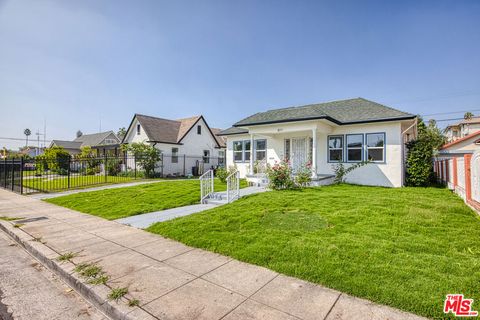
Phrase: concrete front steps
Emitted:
{"points": [[220, 198]]}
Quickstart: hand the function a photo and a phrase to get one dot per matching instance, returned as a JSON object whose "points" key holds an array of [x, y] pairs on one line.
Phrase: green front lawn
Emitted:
{"points": [[405, 247], [59, 183], [124, 202]]}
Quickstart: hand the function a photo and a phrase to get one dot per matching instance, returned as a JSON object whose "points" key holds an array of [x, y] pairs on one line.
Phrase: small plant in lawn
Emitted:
{"points": [[117, 293], [9, 218], [280, 176], [67, 256], [134, 303]]}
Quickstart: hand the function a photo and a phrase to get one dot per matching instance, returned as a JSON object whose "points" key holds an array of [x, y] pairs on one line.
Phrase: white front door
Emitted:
{"points": [[299, 153]]}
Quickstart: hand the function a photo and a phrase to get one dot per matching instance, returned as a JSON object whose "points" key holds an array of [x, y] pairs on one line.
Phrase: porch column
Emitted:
{"points": [[251, 153], [314, 153]]}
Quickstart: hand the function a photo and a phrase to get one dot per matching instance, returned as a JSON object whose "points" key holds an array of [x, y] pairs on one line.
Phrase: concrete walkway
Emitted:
{"points": [[104, 187], [168, 279], [145, 220]]}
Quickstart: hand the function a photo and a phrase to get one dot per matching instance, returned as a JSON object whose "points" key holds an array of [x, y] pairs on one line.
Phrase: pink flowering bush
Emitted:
{"points": [[280, 176]]}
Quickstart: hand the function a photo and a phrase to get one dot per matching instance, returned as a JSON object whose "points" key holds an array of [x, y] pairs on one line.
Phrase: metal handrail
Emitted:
{"points": [[233, 186], [206, 185]]}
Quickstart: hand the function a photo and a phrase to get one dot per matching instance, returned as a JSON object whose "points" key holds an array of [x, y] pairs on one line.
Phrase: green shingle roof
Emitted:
{"points": [[349, 111]]}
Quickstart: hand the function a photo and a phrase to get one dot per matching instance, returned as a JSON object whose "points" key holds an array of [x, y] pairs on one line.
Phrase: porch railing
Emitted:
{"points": [[233, 186], [206, 185]]}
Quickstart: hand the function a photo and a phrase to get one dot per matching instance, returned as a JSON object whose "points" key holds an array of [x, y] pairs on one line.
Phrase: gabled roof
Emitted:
{"points": [[66, 144], [470, 136], [341, 112], [95, 139], [222, 141], [168, 131]]}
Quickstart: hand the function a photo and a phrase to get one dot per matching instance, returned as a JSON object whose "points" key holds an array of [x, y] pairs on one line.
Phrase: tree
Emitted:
{"points": [[121, 132], [146, 156], [421, 152], [79, 134], [27, 132], [468, 115], [56, 159]]}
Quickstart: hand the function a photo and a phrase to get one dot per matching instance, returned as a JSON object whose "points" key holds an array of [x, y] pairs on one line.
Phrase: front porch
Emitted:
{"points": [[301, 145]]}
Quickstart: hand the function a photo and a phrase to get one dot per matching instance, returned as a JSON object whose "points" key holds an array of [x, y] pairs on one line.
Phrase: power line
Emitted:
{"points": [[444, 113], [16, 139]]}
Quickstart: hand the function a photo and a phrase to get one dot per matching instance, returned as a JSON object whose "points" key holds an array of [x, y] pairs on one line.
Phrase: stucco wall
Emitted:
{"points": [[379, 174]]}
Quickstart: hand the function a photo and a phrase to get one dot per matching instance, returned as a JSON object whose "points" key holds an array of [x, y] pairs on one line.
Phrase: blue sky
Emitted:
{"points": [[76, 62]]}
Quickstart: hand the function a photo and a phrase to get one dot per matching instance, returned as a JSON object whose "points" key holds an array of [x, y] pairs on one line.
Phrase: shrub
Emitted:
{"points": [[303, 176], [146, 156], [222, 174], [56, 160], [113, 166], [280, 176], [419, 164]]}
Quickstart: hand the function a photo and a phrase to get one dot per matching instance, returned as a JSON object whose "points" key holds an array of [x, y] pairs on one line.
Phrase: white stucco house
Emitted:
{"points": [[185, 143], [347, 131]]}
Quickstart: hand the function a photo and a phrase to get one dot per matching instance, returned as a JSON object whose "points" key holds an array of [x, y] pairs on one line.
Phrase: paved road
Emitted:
{"points": [[30, 291]]}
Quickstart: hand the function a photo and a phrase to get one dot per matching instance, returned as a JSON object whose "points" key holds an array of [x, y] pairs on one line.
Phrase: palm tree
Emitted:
{"points": [[468, 116], [27, 132]]}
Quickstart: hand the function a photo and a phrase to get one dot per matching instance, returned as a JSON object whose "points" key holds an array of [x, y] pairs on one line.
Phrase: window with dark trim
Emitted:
{"points": [[335, 148], [206, 156], [354, 147], [174, 155], [237, 151], [375, 147], [199, 129], [138, 128], [260, 149], [246, 150]]}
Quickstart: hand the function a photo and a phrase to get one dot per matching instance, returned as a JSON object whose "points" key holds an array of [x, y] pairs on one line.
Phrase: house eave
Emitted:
{"points": [[326, 118]]}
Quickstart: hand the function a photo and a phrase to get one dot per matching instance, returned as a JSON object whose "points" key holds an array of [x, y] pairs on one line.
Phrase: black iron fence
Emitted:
{"points": [[42, 174], [11, 174]]}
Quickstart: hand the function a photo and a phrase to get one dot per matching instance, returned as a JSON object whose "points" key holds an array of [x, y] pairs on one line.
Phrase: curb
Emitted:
{"points": [[95, 295]]}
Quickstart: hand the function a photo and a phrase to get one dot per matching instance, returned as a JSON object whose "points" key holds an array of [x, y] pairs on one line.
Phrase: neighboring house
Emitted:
{"points": [[467, 144], [184, 143], [325, 134], [462, 129], [31, 151], [102, 143]]}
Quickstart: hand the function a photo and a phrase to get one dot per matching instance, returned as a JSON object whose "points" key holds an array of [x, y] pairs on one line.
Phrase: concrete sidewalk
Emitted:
{"points": [[170, 280]]}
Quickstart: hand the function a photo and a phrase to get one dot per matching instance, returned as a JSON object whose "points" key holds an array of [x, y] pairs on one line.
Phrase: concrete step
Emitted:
{"points": [[216, 202]]}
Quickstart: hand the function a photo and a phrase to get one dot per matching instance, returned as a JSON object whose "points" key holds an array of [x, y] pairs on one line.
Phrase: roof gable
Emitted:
{"points": [[168, 131], [95, 139], [349, 111]]}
